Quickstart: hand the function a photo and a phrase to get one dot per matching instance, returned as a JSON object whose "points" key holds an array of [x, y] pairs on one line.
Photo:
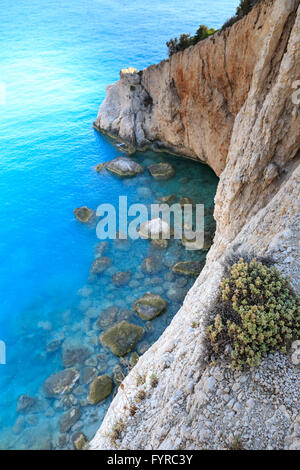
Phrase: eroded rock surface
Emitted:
{"points": [[227, 101]]}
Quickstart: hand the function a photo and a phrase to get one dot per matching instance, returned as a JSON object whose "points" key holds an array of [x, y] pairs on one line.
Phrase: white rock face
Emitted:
{"points": [[195, 406]]}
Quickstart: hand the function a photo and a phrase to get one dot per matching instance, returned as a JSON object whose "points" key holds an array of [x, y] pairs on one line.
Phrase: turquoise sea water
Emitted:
{"points": [[56, 59]]}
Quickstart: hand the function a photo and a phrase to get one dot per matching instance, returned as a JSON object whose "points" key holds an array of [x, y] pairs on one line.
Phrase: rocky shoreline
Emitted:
{"points": [[228, 102]]}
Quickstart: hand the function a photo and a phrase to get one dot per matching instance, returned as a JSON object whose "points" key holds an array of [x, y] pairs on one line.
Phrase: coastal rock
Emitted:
{"points": [[68, 419], [79, 440], [73, 355], [155, 229], [107, 317], [233, 95], [25, 403], [151, 264], [88, 374], [100, 264], [167, 199], [188, 268], [100, 389], [99, 167], [83, 214], [160, 244], [123, 166], [61, 382], [121, 278], [122, 338], [162, 171], [149, 306]]}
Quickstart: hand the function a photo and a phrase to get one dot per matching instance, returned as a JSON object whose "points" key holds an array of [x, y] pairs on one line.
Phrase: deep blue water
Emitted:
{"points": [[56, 59]]}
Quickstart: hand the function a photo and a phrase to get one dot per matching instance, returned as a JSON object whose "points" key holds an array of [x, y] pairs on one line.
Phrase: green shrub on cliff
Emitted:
{"points": [[243, 9], [256, 313], [186, 40]]}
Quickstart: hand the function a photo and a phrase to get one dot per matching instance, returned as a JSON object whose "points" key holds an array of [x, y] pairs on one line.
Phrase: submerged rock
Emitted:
{"points": [[101, 248], [61, 382], [99, 167], [167, 199], [186, 200], [123, 166], [100, 389], [122, 338], [149, 306], [151, 265], [100, 264], [68, 419], [162, 171], [107, 316], [25, 402], [121, 278], [72, 355], [155, 228], [160, 244], [188, 268], [83, 214], [88, 374], [79, 440]]}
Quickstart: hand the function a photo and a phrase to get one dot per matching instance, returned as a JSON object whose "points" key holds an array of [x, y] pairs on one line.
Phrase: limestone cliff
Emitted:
{"points": [[227, 101]]}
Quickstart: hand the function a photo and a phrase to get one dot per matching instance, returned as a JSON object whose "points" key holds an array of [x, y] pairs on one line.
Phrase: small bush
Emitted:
{"points": [[256, 313], [186, 40]]}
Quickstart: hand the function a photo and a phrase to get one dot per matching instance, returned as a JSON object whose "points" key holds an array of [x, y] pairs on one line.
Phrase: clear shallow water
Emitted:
{"points": [[56, 59]]}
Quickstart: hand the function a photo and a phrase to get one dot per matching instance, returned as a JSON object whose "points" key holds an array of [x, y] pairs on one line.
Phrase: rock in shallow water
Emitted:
{"points": [[122, 338], [72, 356], [162, 171], [100, 389], [151, 265], [68, 419], [121, 278], [155, 228], [188, 268], [25, 402], [61, 382], [83, 214], [149, 306], [100, 264], [123, 166]]}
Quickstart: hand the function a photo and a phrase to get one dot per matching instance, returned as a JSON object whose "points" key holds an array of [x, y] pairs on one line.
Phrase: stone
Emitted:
{"points": [[100, 388], [101, 248], [61, 382], [187, 268], [151, 265], [100, 264], [107, 317], [121, 278], [79, 440], [167, 199], [160, 244], [88, 374], [155, 228], [25, 403], [123, 166], [134, 358], [68, 419], [99, 167], [186, 200], [162, 171], [73, 355], [53, 345], [149, 306], [122, 337], [83, 214]]}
